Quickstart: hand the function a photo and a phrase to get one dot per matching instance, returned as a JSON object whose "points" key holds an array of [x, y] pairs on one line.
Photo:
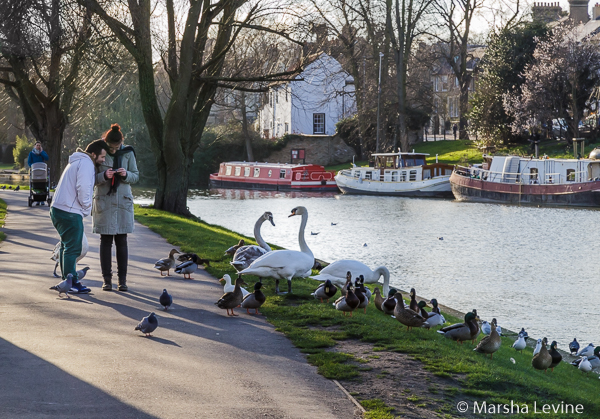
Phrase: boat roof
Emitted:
{"points": [[487, 156], [403, 153], [286, 165]]}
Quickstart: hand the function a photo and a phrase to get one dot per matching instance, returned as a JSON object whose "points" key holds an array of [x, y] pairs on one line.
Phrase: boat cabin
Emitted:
{"points": [[401, 167]]}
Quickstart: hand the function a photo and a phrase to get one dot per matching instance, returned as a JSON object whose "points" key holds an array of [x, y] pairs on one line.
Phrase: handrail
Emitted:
{"points": [[491, 176]]}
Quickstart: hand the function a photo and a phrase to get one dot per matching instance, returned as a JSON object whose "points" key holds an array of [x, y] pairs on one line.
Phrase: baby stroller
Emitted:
{"points": [[39, 183]]}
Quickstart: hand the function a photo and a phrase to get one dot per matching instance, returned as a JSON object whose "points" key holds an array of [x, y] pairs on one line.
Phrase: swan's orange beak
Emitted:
{"points": [[292, 214]]}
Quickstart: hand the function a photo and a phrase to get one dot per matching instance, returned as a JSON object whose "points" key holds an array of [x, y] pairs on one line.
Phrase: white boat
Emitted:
{"points": [[397, 174]]}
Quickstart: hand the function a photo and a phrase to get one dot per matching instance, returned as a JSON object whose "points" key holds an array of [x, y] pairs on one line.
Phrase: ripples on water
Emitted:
{"points": [[527, 266]]}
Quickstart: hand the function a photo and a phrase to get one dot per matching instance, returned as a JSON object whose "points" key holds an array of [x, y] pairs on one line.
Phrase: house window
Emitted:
{"points": [[287, 127], [246, 171], [256, 171], [444, 83], [271, 99], [570, 175], [238, 170], [228, 171], [282, 174], [276, 93], [456, 83], [318, 123]]}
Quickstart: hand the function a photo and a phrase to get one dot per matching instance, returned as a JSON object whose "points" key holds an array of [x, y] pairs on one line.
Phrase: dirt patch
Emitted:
{"points": [[400, 382]]}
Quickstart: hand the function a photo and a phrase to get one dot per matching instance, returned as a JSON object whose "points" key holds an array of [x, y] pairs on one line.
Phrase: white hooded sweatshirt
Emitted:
{"points": [[76, 185]]}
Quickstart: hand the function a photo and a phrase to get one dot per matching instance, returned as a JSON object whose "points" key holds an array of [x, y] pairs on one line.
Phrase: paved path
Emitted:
{"points": [[81, 358]]}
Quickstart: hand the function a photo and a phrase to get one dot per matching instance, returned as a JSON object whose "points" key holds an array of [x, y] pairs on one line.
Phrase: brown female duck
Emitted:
{"points": [[378, 299], [166, 264], [230, 300], [491, 343], [406, 316], [542, 360]]}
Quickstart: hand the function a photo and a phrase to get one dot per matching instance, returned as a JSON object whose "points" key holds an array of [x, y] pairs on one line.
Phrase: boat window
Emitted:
{"points": [[238, 170], [357, 173], [533, 178], [419, 161], [409, 162], [247, 171], [427, 174], [394, 176], [403, 176], [570, 175], [270, 173], [368, 175], [256, 171], [413, 175], [282, 174], [228, 172]]}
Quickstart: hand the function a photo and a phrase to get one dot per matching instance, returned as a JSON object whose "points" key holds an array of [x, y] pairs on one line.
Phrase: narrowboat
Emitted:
{"points": [[528, 180], [273, 177], [397, 174]]}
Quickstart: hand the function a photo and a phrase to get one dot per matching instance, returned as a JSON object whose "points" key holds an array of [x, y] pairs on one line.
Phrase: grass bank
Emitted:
{"points": [[464, 151], [316, 328]]}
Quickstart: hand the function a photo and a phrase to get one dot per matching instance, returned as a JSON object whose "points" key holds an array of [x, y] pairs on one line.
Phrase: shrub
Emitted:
{"points": [[21, 150]]}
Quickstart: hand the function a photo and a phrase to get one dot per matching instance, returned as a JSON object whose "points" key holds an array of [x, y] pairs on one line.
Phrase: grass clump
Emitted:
{"points": [[376, 409], [2, 218]]}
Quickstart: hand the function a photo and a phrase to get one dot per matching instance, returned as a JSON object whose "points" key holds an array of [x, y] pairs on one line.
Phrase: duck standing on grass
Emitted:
{"points": [[378, 299], [362, 298], [406, 316], [347, 303], [254, 300], [491, 343], [542, 360], [413, 305], [326, 290], [230, 300], [366, 291], [389, 304], [461, 332], [556, 356], [166, 264], [435, 316], [231, 251]]}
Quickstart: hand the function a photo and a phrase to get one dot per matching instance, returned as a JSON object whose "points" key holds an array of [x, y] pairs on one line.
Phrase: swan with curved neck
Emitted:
{"points": [[245, 255], [336, 273], [285, 264]]}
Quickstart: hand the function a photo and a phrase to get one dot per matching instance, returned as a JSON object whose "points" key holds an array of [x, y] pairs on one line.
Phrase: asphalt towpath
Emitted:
{"points": [[81, 358]]}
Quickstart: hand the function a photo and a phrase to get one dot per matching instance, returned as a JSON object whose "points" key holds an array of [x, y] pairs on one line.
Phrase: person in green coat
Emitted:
{"points": [[112, 208]]}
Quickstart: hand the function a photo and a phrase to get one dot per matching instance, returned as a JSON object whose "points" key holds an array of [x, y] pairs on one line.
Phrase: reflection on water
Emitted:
{"points": [[527, 266]]}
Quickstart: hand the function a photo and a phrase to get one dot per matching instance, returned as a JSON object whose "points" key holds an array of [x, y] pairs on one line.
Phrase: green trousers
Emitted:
{"points": [[70, 230]]}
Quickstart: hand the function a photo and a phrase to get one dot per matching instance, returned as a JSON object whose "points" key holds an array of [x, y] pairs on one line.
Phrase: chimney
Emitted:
{"points": [[578, 11], [596, 11]]}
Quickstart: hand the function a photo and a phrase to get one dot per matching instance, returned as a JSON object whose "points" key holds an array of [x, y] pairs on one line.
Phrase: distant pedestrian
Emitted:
{"points": [[71, 202], [113, 206], [455, 130], [37, 155]]}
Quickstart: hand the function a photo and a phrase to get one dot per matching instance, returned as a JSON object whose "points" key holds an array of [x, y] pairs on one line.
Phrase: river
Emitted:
{"points": [[526, 266]]}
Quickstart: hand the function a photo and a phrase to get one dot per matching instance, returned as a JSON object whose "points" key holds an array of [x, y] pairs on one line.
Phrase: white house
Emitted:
{"points": [[313, 105]]}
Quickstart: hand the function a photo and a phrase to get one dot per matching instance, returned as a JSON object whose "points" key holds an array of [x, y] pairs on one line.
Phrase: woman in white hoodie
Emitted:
{"points": [[71, 202]]}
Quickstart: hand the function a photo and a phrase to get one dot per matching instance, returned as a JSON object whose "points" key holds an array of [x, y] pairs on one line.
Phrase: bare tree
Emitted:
{"points": [[42, 46]]}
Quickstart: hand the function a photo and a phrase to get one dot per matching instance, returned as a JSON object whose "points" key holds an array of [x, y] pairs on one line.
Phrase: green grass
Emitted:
{"points": [[23, 187], [305, 321], [7, 166], [2, 217]]}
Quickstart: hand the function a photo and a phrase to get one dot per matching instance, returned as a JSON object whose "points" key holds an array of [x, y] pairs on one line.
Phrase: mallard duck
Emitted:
{"points": [[336, 273], [230, 300], [476, 323], [406, 316], [229, 287], [593, 360], [366, 291], [556, 356], [413, 305], [189, 267], [461, 332], [358, 291], [587, 351], [435, 316], [344, 288], [542, 360], [538, 347], [245, 255], [231, 251], [166, 264], [432, 318], [348, 303], [491, 343], [574, 346], [184, 257], [254, 300], [378, 299], [520, 343], [389, 304], [325, 290], [585, 365]]}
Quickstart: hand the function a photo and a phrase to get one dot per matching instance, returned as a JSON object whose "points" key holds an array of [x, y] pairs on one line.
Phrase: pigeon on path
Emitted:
{"points": [[64, 286], [17, 188], [81, 273], [165, 299], [148, 324]]}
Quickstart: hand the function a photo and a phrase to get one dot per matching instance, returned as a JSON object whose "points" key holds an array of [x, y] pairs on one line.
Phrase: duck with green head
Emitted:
{"points": [[254, 300], [556, 356], [461, 332], [389, 303]]}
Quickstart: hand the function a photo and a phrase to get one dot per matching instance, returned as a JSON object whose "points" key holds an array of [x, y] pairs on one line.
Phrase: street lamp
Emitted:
{"points": [[378, 102]]}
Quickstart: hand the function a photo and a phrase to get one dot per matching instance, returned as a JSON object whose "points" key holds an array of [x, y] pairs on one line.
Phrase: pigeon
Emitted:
{"points": [[148, 324], [64, 286], [165, 299], [538, 347], [587, 351], [81, 273], [520, 343], [17, 188], [585, 365], [3, 187], [10, 187], [574, 346]]}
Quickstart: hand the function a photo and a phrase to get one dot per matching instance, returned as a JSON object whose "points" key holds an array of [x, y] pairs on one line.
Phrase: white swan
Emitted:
{"points": [[56, 253], [229, 287], [336, 273], [285, 264], [245, 255]]}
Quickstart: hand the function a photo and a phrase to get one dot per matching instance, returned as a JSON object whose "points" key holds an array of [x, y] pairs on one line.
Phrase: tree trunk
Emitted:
{"points": [[245, 127]]}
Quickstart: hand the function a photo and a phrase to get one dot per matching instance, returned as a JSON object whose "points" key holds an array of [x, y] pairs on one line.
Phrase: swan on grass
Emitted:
{"points": [[245, 255], [285, 264], [336, 273]]}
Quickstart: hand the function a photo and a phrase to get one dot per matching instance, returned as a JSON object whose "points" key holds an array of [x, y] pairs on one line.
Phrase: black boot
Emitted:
{"points": [[122, 284], [107, 285]]}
